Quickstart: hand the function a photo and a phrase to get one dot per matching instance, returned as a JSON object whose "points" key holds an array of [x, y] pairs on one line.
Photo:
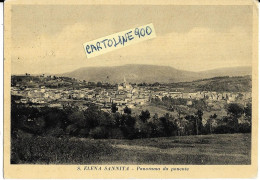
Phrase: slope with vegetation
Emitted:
{"points": [[217, 84]]}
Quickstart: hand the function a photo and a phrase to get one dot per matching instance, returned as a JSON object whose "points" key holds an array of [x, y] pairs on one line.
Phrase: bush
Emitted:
{"points": [[99, 133], [55, 132], [129, 132], [244, 128], [84, 132], [72, 129], [116, 133], [222, 129], [143, 130]]}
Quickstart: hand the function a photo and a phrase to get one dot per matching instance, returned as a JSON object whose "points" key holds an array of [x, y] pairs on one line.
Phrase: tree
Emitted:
{"points": [[156, 127], [144, 116], [77, 118], [116, 119], [99, 84], [155, 117], [114, 109], [182, 111], [246, 126], [191, 126], [209, 122], [199, 115], [54, 117], [248, 112], [127, 125], [129, 121], [93, 116], [105, 119], [168, 126], [234, 112], [127, 110]]}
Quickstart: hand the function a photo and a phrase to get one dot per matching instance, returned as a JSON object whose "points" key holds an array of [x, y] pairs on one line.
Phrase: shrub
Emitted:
{"points": [[244, 128], [84, 132], [99, 133], [129, 132], [222, 129], [144, 131], [55, 132], [116, 133], [72, 129]]}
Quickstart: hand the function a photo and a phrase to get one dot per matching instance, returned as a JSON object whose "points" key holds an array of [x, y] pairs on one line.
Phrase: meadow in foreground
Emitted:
{"points": [[201, 149]]}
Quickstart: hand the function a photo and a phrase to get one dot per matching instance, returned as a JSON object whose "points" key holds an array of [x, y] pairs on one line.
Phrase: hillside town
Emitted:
{"points": [[123, 95]]}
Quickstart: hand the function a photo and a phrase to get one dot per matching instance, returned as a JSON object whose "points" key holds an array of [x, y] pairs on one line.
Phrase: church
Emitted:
{"points": [[124, 86]]}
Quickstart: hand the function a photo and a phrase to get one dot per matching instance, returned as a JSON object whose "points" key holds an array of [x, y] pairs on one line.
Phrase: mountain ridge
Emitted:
{"points": [[138, 73]]}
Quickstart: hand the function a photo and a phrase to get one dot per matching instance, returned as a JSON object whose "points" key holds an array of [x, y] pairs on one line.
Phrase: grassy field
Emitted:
{"points": [[202, 149]]}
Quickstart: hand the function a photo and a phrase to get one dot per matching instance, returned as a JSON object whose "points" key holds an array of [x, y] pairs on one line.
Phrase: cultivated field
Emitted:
{"points": [[202, 149]]}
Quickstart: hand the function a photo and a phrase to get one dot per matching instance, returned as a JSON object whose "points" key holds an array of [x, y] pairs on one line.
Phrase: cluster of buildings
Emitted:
{"points": [[208, 95], [123, 95]]}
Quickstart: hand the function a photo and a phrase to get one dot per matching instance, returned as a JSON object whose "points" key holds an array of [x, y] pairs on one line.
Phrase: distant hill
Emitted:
{"points": [[218, 84], [150, 74]]}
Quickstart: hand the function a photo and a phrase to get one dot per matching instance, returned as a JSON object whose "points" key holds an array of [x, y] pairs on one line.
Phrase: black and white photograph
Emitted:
{"points": [[131, 84]]}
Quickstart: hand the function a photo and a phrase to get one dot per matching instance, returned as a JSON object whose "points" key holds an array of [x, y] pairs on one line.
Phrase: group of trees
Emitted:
{"points": [[95, 123], [91, 122], [236, 113]]}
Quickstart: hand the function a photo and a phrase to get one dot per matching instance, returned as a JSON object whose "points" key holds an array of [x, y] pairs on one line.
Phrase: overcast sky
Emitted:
{"points": [[49, 39]]}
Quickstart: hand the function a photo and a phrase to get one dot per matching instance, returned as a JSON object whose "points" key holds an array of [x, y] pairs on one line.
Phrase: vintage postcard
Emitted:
{"points": [[130, 89]]}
